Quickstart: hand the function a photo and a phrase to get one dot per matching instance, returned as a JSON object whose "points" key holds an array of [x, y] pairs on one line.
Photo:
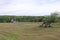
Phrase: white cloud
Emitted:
{"points": [[29, 7]]}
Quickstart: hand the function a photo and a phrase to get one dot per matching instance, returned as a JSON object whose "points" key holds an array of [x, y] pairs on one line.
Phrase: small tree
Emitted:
{"points": [[50, 19]]}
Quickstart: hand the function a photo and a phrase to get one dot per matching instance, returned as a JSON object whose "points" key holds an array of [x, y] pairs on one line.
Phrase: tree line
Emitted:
{"points": [[26, 18], [52, 18], [22, 18]]}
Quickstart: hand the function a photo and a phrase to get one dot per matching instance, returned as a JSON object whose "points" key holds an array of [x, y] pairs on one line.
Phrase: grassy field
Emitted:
{"points": [[28, 31]]}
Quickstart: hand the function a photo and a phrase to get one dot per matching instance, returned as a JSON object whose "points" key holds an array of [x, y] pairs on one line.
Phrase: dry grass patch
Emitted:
{"points": [[28, 31]]}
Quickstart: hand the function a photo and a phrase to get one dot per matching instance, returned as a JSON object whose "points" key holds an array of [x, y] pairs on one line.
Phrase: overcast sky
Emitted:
{"points": [[29, 7]]}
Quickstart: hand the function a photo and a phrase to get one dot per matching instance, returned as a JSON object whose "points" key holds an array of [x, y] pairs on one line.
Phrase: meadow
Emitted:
{"points": [[29, 31]]}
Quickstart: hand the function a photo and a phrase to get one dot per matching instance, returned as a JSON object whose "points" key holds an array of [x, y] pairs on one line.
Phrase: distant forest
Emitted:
{"points": [[24, 18]]}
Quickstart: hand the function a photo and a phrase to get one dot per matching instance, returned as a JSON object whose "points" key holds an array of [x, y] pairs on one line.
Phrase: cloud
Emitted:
{"points": [[28, 7]]}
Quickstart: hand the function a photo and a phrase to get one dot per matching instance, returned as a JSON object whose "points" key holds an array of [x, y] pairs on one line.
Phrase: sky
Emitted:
{"points": [[29, 7]]}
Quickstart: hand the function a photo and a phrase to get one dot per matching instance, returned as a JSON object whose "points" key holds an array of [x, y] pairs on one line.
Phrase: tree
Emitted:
{"points": [[49, 19]]}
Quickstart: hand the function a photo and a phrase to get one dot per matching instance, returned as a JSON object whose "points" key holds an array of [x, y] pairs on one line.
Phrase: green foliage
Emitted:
{"points": [[30, 18], [52, 18], [21, 18]]}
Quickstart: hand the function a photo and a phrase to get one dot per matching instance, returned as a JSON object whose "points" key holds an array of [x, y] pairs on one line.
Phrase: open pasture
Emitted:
{"points": [[28, 31]]}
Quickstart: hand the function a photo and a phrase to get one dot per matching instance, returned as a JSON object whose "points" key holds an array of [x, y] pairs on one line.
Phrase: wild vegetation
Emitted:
{"points": [[52, 18], [21, 18], [27, 18]]}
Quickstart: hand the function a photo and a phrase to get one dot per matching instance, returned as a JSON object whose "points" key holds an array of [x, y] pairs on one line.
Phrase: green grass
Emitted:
{"points": [[28, 31], [8, 36]]}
